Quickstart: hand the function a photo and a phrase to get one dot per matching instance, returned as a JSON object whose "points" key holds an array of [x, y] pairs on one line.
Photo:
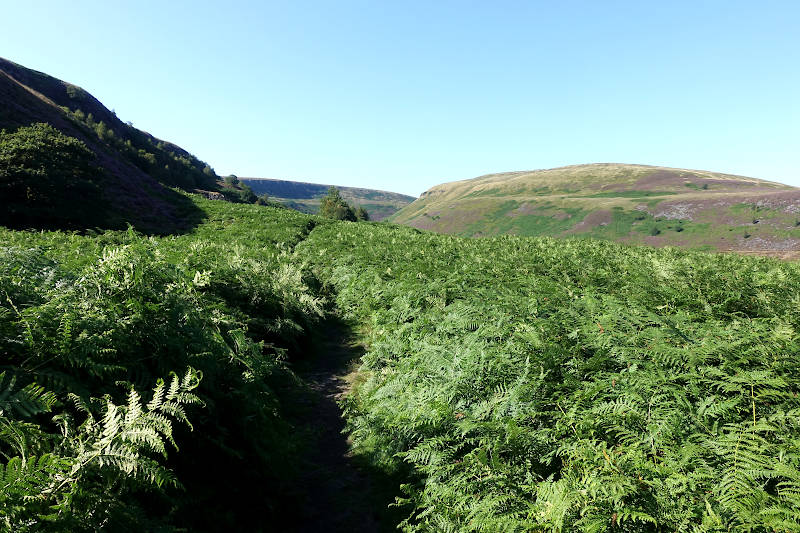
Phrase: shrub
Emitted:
{"points": [[48, 179]]}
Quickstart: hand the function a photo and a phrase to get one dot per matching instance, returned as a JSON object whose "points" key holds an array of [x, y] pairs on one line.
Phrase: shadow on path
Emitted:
{"points": [[336, 492]]}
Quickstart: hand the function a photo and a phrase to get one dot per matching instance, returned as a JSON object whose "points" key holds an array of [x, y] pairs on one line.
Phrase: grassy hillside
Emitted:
{"points": [[635, 204], [306, 197], [139, 170]]}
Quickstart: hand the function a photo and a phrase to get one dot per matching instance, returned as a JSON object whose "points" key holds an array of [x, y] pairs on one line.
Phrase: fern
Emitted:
{"points": [[573, 385]]}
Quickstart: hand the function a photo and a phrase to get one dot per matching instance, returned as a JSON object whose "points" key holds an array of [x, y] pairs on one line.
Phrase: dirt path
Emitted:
{"points": [[336, 494]]}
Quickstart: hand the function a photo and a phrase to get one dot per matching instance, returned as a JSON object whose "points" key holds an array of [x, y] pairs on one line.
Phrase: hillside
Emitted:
{"points": [[635, 204], [306, 197], [138, 169]]}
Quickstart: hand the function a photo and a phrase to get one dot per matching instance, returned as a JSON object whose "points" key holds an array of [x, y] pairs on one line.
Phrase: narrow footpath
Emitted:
{"points": [[337, 494]]}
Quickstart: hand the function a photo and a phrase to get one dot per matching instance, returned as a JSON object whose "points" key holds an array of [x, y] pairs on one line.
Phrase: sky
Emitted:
{"points": [[405, 95]]}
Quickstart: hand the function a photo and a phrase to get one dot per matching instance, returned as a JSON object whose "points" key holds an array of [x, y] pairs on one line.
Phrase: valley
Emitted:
{"points": [[556, 350], [305, 197]]}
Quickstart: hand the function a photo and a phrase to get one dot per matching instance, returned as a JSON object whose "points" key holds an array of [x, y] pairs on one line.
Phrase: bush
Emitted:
{"points": [[48, 179]]}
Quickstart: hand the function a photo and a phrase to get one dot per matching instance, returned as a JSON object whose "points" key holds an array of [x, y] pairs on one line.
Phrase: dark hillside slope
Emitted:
{"points": [[58, 92], [636, 204], [75, 98], [306, 197], [139, 168]]}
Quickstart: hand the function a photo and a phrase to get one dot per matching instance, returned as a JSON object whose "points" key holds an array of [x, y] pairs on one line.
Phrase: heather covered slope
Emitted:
{"points": [[139, 169], [636, 204], [306, 197]]}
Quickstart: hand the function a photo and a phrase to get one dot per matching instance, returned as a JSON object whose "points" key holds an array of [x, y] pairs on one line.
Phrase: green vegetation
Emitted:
{"points": [[541, 385], [513, 384], [141, 376], [235, 191], [307, 197], [127, 175], [509, 383], [333, 206], [628, 194], [48, 179], [545, 220], [167, 163]]}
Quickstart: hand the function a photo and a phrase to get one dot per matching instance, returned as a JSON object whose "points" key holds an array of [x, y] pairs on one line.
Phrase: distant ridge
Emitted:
{"points": [[306, 196], [638, 204]]}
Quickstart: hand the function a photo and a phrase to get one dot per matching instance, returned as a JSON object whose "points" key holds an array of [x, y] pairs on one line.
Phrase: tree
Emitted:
{"points": [[246, 194], [102, 130], [334, 206], [48, 179], [361, 214], [231, 180]]}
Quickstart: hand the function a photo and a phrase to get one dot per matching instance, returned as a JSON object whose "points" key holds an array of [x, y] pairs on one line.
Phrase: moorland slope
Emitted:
{"points": [[636, 204]]}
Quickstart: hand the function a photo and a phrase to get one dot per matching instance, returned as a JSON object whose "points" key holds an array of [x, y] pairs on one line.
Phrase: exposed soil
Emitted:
{"points": [[687, 209], [336, 493], [602, 217]]}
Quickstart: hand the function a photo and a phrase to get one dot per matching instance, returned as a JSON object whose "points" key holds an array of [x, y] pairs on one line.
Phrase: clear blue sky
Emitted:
{"points": [[404, 95]]}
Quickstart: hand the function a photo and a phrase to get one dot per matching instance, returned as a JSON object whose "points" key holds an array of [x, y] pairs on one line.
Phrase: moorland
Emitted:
{"points": [[635, 204]]}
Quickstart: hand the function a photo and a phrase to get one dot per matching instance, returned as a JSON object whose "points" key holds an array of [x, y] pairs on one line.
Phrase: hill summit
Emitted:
{"points": [[637, 204]]}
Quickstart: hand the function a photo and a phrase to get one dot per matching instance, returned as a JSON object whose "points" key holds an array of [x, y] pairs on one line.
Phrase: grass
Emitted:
{"points": [[628, 194]]}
